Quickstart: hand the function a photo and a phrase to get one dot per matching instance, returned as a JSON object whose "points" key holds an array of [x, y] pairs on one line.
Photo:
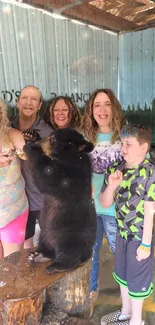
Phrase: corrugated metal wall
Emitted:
{"points": [[137, 68], [137, 77], [58, 56]]}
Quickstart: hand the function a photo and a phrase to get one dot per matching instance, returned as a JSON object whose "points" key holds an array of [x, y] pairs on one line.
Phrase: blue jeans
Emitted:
{"points": [[106, 225]]}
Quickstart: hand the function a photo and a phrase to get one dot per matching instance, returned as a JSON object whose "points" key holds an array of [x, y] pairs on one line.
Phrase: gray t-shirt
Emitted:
{"points": [[35, 198]]}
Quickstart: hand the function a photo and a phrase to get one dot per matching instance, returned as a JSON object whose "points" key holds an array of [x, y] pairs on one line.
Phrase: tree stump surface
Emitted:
{"points": [[20, 279], [23, 286]]}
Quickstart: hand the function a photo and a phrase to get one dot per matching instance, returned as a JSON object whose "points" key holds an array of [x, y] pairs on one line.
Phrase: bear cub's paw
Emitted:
{"points": [[37, 257], [52, 269]]}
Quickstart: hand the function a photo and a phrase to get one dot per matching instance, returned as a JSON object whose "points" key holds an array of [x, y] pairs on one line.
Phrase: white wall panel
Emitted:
{"points": [[58, 56], [137, 67], [137, 77]]}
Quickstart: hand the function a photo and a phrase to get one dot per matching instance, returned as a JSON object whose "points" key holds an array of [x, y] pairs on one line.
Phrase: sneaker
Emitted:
{"points": [[115, 317], [119, 322], [126, 322], [93, 297]]}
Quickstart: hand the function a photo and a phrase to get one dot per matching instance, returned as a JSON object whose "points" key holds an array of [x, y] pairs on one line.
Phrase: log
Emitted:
{"points": [[20, 279], [22, 287], [71, 293], [22, 311]]}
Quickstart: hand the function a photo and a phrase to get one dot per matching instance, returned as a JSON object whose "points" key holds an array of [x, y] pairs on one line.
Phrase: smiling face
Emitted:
{"points": [[29, 102], [61, 114], [133, 151], [102, 111]]}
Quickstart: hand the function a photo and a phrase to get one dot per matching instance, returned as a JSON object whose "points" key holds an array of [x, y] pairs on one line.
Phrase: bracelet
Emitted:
{"points": [[146, 249], [145, 245]]}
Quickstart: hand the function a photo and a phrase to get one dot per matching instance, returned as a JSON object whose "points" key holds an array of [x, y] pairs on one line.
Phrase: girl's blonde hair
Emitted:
{"points": [[90, 127], [74, 112], [4, 121]]}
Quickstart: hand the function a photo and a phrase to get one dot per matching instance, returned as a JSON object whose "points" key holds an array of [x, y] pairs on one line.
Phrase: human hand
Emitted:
{"points": [[115, 180], [142, 254], [6, 158]]}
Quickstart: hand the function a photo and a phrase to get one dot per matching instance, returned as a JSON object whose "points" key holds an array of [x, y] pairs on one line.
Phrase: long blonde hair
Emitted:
{"points": [[90, 127], [4, 121]]}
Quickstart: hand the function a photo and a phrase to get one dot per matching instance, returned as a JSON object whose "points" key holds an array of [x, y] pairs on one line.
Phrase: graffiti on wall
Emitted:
{"points": [[11, 96]]}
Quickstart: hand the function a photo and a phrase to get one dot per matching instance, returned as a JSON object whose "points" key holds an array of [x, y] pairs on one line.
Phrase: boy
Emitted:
{"points": [[132, 185]]}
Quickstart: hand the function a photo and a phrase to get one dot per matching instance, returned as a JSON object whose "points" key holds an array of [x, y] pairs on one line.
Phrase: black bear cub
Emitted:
{"points": [[62, 171]]}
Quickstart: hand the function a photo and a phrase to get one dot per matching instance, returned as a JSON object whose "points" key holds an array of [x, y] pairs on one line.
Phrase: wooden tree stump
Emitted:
{"points": [[22, 286], [71, 293], [23, 311]]}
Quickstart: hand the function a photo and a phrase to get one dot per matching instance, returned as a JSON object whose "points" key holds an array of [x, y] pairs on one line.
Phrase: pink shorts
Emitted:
{"points": [[14, 232]]}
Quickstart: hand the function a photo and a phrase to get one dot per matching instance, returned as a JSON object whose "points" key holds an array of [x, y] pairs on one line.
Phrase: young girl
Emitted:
{"points": [[102, 121]]}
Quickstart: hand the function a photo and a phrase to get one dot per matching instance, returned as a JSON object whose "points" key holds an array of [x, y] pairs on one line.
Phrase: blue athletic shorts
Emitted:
{"points": [[136, 276]]}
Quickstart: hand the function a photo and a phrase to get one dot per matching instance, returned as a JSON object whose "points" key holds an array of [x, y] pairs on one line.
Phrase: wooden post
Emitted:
{"points": [[71, 293], [22, 311], [22, 289]]}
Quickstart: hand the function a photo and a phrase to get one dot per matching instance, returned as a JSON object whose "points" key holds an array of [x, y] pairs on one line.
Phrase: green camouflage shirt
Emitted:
{"points": [[138, 186]]}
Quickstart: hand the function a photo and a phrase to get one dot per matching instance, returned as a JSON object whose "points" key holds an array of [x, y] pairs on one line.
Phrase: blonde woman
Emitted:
{"points": [[62, 113], [13, 201], [102, 121]]}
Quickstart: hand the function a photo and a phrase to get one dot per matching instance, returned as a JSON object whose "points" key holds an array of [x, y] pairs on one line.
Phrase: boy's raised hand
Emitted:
{"points": [[115, 179]]}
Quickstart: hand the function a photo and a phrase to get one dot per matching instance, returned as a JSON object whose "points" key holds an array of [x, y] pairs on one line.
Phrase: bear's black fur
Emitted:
{"points": [[68, 217]]}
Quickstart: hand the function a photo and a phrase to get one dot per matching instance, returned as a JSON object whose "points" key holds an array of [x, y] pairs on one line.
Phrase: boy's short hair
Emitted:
{"points": [[142, 133]]}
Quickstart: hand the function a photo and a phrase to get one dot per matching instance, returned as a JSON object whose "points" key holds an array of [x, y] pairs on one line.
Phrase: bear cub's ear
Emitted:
{"points": [[86, 146], [69, 140]]}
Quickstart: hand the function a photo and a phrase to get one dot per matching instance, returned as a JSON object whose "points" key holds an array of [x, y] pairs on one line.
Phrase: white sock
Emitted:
{"points": [[142, 323], [125, 317]]}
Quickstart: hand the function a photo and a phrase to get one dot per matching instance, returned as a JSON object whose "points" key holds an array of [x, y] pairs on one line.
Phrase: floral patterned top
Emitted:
{"points": [[13, 200]]}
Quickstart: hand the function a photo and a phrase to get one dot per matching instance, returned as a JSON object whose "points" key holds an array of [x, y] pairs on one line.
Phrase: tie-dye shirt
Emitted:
{"points": [[103, 155], [13, 201]]}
